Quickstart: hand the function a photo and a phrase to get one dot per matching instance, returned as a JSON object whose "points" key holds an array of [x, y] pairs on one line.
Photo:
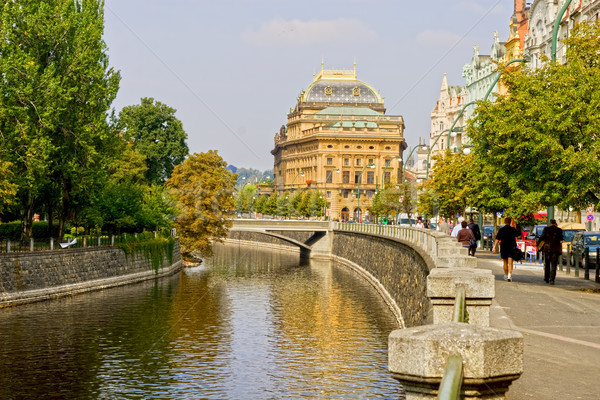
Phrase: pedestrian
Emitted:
{"points": [[551, 244], [507, 237], [477, 233], [419, 223], [457, 227], [465, 236], [443, 226]]}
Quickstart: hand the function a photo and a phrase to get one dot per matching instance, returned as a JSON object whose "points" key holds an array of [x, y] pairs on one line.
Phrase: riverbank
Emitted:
{"points": [[44, 275]]}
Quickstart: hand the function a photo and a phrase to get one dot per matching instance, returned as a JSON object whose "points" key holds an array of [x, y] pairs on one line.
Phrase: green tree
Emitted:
{"points": [[386, 201], [451, 183], [8, 189], [157, 134], [543, 135], [202, 188], [271, 205], [56, 88]]}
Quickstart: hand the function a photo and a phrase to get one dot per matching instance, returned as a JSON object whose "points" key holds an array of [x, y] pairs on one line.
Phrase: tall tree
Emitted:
{"points": [[202, 188], [543, 135], [56, 88], [157, 134]]}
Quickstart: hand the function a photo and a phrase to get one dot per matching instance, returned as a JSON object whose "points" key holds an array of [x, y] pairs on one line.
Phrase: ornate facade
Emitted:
{"points": [[451, 101], [542, 16], [339, 140]]}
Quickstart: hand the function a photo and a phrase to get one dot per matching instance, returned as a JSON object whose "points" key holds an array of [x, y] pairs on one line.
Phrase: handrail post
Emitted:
{"points": [[459, 305]]}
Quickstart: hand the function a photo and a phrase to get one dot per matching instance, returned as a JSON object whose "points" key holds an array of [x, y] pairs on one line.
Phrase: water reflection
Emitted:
{"points": [[250, 324]]}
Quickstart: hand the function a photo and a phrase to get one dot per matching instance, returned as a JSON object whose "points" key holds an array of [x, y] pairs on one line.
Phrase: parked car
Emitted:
{"points": [[536, 232], [582, 241], [487, 236], [569, 230]]}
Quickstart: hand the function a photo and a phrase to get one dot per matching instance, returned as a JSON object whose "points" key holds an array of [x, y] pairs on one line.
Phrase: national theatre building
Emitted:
{"points": [[338, 140]]}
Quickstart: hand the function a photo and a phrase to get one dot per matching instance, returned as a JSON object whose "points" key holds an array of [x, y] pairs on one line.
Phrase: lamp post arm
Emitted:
{"points": [[556, 26], [431, 148], [498, 76]]}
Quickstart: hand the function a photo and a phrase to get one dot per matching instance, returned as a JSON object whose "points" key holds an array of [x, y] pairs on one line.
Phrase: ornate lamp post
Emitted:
{"points": [[370, 165], [297, 175]]}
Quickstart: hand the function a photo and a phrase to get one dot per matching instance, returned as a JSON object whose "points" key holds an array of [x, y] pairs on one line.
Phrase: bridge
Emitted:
{"points": [[419, 274]]}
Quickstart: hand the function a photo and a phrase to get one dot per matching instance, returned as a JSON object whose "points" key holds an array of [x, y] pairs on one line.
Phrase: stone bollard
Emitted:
{"points": [[479, 288], [492, 359]]}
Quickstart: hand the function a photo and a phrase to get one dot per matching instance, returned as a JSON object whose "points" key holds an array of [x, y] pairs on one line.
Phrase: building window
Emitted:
{"points": [[388, 148], [329, 177], [386, 177], [371, 147], [358, 162], [346, 194], [346, 162], [359, 147], [329, 146], [370, 194], [346, 177], [370, 177], [346, 147], [356, 176], [328, 194], [371, 161], [329, 161]]}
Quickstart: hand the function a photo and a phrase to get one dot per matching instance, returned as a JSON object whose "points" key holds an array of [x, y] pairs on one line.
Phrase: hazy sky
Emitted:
{"points": [[233, 68]]}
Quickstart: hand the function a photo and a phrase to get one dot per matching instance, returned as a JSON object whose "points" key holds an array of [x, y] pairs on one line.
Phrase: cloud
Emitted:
{"points": [[305, 33], [438, 38]]}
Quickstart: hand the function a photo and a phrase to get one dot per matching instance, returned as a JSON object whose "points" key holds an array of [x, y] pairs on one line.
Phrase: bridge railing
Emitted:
{"points": [[443, 249]]}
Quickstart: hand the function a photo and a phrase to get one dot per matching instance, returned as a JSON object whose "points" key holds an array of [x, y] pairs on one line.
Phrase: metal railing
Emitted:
{"points": [[80, 241], [452, 380]]}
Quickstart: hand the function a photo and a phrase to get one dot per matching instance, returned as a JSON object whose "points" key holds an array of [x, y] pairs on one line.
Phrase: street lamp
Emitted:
{"points": [[292, 184], [337, 171], [370, 165]]}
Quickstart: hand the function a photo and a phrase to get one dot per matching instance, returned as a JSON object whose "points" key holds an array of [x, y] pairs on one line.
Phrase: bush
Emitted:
{"points": [[12, 230]]}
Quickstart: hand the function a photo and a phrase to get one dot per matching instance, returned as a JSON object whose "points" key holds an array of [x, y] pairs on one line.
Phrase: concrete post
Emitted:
{"points": [[479, 288], [493, 359]]}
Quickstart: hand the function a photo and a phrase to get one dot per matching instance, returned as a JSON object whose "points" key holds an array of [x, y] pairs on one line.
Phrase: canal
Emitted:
{"points": [[247, 324]]}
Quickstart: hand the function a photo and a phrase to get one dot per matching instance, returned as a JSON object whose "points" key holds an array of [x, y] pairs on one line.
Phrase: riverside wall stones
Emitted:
{"points": [[399, 268], [36, 276]]}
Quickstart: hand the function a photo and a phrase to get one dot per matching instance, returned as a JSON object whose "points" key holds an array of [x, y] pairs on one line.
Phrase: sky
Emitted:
{"points": [[233, 68]]}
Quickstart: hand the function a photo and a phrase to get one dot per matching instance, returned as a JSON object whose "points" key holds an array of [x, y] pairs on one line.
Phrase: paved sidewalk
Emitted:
{"points": [[560, 325]]}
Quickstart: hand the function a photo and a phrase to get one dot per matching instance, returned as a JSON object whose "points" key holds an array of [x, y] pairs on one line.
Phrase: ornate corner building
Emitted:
{"points": [[338, 140]]}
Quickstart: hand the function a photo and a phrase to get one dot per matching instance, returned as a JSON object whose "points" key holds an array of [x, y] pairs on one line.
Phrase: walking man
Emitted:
{"points": [[552, 237], [507, 237]]}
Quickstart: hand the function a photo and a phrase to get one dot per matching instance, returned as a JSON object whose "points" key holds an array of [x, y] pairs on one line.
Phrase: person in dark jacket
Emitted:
{"points": [[507, 237], [477, 233], [552, 236]]}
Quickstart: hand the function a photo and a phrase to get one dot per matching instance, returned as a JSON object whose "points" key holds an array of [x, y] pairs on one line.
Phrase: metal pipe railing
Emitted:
{"points": [[452, 380]]}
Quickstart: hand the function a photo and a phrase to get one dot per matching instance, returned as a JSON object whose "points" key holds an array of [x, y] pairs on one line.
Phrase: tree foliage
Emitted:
{"points": [[542, 137], [203, 190], [56, 88], [157, 134]]}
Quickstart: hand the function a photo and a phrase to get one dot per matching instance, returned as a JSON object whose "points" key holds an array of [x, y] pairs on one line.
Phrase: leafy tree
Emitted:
{"points": [[543, 135], [260, 204], [271, 205], [56, 88], [451, 182], [244, 200], [283, 207], [386, 201], [202, 188], [8, 190], [157, 134]]}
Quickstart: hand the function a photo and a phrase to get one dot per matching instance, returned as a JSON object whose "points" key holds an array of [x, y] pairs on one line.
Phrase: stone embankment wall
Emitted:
{"points": [[399, 269], [30, 277]]}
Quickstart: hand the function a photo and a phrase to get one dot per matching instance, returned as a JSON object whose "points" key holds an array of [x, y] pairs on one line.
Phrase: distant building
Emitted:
{"points": [[335, 132], [449, 104], [515, 44], [542, 16]]}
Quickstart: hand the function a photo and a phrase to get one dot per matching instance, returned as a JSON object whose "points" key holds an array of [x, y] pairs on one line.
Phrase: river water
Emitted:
{"points": [[247, 324]]}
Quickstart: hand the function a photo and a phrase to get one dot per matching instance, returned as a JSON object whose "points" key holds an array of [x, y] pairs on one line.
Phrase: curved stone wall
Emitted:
{"points": [[29, 277], [399, 268]]}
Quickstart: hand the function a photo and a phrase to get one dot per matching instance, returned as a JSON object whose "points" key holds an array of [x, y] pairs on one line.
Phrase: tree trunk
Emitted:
{"points": [[577, 216], [27, 221]]}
